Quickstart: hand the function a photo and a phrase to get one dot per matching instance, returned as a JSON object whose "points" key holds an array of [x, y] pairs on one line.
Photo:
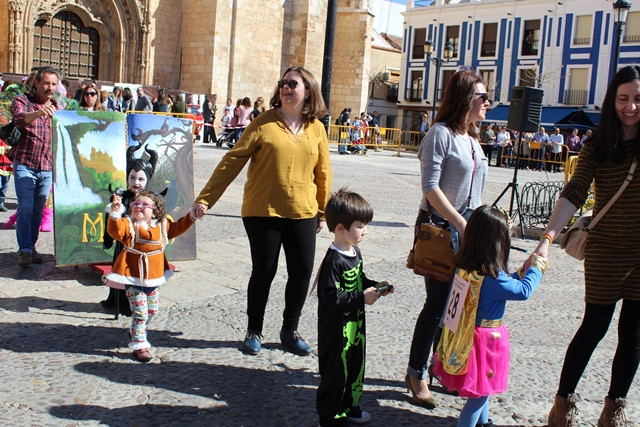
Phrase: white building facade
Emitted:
{"points": [[566, 48]]}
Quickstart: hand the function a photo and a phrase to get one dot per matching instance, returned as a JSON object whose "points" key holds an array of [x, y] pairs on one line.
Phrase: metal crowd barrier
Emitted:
{"points": [[537, 200], [508, 153], [375, 138]]}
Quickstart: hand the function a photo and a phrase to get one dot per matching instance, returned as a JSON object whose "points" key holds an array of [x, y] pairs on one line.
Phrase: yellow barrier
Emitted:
{"points": [[508, 154], [570, 167], [382, 139]]}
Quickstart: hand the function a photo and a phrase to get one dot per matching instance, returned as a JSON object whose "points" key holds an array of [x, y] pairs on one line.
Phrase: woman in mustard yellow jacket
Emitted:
{"points": [[288, 185]]}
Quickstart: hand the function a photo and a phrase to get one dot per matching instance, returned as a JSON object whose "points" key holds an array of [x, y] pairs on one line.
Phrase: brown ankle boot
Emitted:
{"points": [[564, 411], [613, 413]]}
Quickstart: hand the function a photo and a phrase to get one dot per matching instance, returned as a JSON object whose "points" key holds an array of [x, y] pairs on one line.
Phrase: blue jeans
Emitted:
{"points": [[427, 330], [32, 189], [342, 146], [4, 187]]}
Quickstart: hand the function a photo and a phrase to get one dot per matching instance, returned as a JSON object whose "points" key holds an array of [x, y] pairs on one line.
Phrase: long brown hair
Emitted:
{"points": [[457, 101], [98, 105], [314, 107], [486, 244], [608, 136]]}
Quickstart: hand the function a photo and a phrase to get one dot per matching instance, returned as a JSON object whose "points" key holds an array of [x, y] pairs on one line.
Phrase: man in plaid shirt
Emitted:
{"points": [[32, 160]]}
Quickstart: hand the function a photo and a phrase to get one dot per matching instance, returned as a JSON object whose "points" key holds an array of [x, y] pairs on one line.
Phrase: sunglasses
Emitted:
{"points": [[483, 96], [291, 83], [142, 205], [91, 94]]}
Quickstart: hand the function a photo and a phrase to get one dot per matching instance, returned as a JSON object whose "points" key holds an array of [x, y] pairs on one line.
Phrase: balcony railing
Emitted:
{"points": [[488, 49], [575, 97], [413, 95], [582, 40], [392, 94], [631, 39], [530, 48]]}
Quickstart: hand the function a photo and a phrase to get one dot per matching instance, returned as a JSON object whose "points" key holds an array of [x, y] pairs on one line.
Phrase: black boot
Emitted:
{"points": [[110, 302], [123, 306]]}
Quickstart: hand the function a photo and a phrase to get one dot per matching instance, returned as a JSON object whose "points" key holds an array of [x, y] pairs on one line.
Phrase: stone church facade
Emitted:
{"points": [[234, 48]]}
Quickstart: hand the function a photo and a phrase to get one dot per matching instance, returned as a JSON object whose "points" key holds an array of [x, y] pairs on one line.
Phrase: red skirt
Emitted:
{"points": [[488, 366]]}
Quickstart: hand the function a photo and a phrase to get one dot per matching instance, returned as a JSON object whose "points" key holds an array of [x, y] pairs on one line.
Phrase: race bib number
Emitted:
{"points": [[455, 305]]}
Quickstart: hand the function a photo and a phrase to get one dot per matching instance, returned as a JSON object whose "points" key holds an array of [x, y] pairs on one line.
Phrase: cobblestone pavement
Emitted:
{"points": [[64, 361]]}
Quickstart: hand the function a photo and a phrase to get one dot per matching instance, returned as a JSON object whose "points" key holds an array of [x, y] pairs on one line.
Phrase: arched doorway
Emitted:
{"points": [[66, 44]]}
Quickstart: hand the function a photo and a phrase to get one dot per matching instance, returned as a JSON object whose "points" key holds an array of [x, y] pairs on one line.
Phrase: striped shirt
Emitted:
{"points": [[34, 149], [612, 251]]}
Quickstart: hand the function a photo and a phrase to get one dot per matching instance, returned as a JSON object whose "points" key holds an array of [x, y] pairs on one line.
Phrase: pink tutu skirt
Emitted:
{"points": [[488, 368]]}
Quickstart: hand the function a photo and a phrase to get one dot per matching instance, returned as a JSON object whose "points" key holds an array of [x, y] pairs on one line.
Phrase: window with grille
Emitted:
{"points": [[453, 35], [419, 37], [531, 37], [528, 77], [489, 39], [583, 30], [632, 29]]}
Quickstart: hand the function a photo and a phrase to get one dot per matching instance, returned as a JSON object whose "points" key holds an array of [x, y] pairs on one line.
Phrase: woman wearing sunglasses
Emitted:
{"points": [[288, 185], [91, 99], [453, 169]]}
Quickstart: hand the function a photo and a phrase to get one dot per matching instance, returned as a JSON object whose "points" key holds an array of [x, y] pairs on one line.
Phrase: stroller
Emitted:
{"points": [[228, 137]]}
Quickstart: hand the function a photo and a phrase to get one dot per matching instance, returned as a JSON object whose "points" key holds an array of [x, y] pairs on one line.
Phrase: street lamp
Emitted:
{"points": [[620, 10], [448, 54]]}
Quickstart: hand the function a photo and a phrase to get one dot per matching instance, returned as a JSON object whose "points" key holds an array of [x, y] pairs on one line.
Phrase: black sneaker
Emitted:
{"points": [[24, 259], [292, 341], [36, 258], [358, 416]]}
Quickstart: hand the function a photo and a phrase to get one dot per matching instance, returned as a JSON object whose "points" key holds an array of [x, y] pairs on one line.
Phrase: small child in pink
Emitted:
{"points": [[473, 353]]}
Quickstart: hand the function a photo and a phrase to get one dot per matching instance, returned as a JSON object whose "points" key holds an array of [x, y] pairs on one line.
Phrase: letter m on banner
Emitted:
{"points": [[92, 228]]}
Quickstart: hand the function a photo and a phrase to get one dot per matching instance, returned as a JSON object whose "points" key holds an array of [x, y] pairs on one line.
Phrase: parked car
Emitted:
{"points": [[195, 114]]}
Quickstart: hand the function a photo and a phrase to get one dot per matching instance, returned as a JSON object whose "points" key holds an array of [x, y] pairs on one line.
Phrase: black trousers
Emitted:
{"points": [[266, 236], [209, 134], [595, 324]]}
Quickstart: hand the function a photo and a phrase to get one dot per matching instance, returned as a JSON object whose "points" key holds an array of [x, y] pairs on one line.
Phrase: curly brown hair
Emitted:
{"points": [[160, 210]]}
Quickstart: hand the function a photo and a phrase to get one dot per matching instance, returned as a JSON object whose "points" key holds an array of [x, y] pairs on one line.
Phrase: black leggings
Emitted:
{"points": [[266, 236], [597, 318]]}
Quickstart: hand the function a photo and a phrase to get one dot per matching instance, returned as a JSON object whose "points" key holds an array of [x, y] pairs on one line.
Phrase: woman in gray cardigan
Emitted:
{"points": [[454, 169]]}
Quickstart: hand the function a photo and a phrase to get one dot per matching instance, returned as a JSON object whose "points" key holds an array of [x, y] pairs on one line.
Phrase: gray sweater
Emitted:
{"points": [[446, 163]]}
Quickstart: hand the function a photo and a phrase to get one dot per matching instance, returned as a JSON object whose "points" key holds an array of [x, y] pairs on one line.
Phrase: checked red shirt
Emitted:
{"points": [[34, 149]]}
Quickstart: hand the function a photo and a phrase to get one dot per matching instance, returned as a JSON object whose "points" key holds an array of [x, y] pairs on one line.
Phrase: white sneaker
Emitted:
{"points": [[364, 417]]}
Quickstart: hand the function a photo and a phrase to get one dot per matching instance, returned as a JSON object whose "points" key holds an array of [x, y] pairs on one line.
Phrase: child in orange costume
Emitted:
{"points": [[142, 265]]}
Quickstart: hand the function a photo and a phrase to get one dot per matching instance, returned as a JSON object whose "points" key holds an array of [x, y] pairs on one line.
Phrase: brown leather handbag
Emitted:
{"points": [[432, 253]]}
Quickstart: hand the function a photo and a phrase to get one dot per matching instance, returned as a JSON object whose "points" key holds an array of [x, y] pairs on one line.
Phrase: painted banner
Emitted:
{"points": [[90, 154], [172, 139]]}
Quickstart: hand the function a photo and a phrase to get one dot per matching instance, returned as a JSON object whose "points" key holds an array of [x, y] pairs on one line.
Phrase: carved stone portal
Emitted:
{"points": [[84, 38]]}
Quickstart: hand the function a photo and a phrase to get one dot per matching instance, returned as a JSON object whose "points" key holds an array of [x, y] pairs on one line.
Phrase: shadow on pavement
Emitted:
{"points": [[47, 271], [240, 396], [43, 337]]}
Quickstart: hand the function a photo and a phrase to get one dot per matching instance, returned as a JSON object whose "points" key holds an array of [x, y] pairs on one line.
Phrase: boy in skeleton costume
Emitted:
{"points": [[343, 290]]}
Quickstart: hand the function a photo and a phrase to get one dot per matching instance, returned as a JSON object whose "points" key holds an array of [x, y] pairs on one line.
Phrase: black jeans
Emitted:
{"points": [[427, 330], [266, 236], [595, 324]]}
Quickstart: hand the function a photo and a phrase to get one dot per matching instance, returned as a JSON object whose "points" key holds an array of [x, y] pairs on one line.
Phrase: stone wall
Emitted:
{"points": [[233, 48], [351, 57]]}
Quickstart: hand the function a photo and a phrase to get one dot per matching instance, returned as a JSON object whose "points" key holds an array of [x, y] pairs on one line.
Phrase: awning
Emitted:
{"points": [[550, 115], [498, 114], [580, 120]]}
